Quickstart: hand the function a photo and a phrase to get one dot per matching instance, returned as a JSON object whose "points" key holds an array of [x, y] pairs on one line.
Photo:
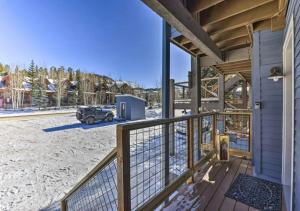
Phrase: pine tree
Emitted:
{"points": [[70, 72], [72, 93], [38, 89]]}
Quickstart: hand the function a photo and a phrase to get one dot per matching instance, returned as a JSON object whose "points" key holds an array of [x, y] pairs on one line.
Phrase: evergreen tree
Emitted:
{"points": [[70, 72], [38, 89]]}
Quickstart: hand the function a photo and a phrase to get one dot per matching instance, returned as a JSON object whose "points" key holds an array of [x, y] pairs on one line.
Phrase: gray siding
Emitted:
{"points": [[267, 121], [294, 8], [135, 107]]}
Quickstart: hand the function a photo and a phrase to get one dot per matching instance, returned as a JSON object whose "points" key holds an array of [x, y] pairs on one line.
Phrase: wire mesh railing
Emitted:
{"points": [[152, 166], [96, 191], [236, 125], [155, 154], [153, 158]]}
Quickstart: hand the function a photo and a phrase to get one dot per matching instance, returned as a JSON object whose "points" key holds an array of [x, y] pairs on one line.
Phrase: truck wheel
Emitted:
{"points": [[109, 118], [90, 121]]}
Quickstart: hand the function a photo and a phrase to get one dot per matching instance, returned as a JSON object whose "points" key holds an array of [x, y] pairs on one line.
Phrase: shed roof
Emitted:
{"points": [[131, 96]]}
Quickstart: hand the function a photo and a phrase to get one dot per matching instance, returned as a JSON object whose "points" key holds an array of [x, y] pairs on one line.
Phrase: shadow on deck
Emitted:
{"points": [[208, 190]]}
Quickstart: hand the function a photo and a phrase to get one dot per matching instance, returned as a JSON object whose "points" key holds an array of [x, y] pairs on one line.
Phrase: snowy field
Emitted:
{"points": [[40, 159]]}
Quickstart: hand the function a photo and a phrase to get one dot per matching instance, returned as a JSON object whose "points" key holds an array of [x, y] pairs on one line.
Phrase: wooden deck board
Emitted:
{"points": [[211, 189], [208, 192], [218, 197], [230, 203]]}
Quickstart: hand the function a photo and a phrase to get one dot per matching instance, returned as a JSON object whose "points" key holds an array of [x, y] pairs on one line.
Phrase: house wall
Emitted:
{"points": [[294, 9], [267, 121]]}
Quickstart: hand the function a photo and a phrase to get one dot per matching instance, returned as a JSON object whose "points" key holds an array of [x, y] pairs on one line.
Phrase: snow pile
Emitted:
{"points": [[153, 113]]}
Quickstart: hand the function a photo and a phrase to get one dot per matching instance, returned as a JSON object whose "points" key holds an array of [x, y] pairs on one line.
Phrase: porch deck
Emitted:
{"points": [[208, 190]]}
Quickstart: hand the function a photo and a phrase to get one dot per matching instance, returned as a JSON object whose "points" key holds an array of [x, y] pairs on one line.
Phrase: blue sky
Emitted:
{"points": [[119, 38]]}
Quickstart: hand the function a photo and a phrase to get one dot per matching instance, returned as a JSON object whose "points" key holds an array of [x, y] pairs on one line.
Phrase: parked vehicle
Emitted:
{"points": [[90, 115]]}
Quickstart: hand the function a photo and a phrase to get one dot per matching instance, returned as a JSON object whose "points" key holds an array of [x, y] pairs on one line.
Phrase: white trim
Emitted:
{"points": [[289, 37]]}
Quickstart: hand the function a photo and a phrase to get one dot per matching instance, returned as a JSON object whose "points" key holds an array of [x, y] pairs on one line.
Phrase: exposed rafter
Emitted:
{"points": [[179, 17], [229, 35], [196, 6], [228, 9], [261, 25], [242, 68], [260, 13], [234, 42]]}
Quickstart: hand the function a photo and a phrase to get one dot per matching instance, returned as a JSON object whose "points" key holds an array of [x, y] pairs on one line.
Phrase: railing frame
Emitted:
{"points": [[87, 177], [122, 153]]}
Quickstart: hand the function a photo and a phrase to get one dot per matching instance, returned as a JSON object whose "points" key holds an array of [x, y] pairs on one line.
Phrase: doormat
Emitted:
{"points": [[254, 192]]}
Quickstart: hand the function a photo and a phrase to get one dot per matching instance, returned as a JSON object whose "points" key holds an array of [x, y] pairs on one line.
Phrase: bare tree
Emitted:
{"points": [[16, 88], [59, 85]]}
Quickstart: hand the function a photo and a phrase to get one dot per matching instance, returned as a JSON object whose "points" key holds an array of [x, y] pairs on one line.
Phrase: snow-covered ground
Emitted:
{"points": [[41, 159]]}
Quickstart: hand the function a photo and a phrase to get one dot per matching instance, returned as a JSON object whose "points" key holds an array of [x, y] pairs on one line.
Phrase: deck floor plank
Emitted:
{"points": [[239, 206], [218, 197], [208, 191], [229, 204], [211, 189], [187, 194]]}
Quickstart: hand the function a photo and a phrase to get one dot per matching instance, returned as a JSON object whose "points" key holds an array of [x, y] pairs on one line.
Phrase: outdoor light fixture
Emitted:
{"points": [[275, 74]]}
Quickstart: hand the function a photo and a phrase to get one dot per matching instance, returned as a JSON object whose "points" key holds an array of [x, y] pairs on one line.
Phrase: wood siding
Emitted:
{"points": [[294, 8], [267, 121]]}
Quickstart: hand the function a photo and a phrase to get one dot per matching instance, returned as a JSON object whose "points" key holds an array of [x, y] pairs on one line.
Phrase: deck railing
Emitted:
{"points": [[97, 190], [153, 158]]}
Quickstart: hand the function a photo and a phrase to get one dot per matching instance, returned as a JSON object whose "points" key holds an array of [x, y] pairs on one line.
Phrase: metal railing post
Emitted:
{"points": [[123, 169], [190, 145]]}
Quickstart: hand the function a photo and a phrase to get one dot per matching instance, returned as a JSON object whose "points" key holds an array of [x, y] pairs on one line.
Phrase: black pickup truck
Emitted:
{"points": [[90, 115]]}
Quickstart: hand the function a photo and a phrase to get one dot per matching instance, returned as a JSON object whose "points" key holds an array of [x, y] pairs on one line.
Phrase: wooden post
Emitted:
{"points": [[221, 93], [196, 85], [63, 205], [190, 145], [250, 97], [123, 170], [196, 97], [244, 94]]}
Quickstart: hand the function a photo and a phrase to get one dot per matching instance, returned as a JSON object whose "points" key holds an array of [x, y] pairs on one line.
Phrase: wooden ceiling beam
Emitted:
{"points": [[235, 46], [228, 9], [182, 39], [175, 42], [229, 35], [250, 33], [237, 41], [180, 18], [246, 62], [278, 22], [190, 46], [263, 12], [235, 71], [236, 67], [261, 25], [196, 6]]}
